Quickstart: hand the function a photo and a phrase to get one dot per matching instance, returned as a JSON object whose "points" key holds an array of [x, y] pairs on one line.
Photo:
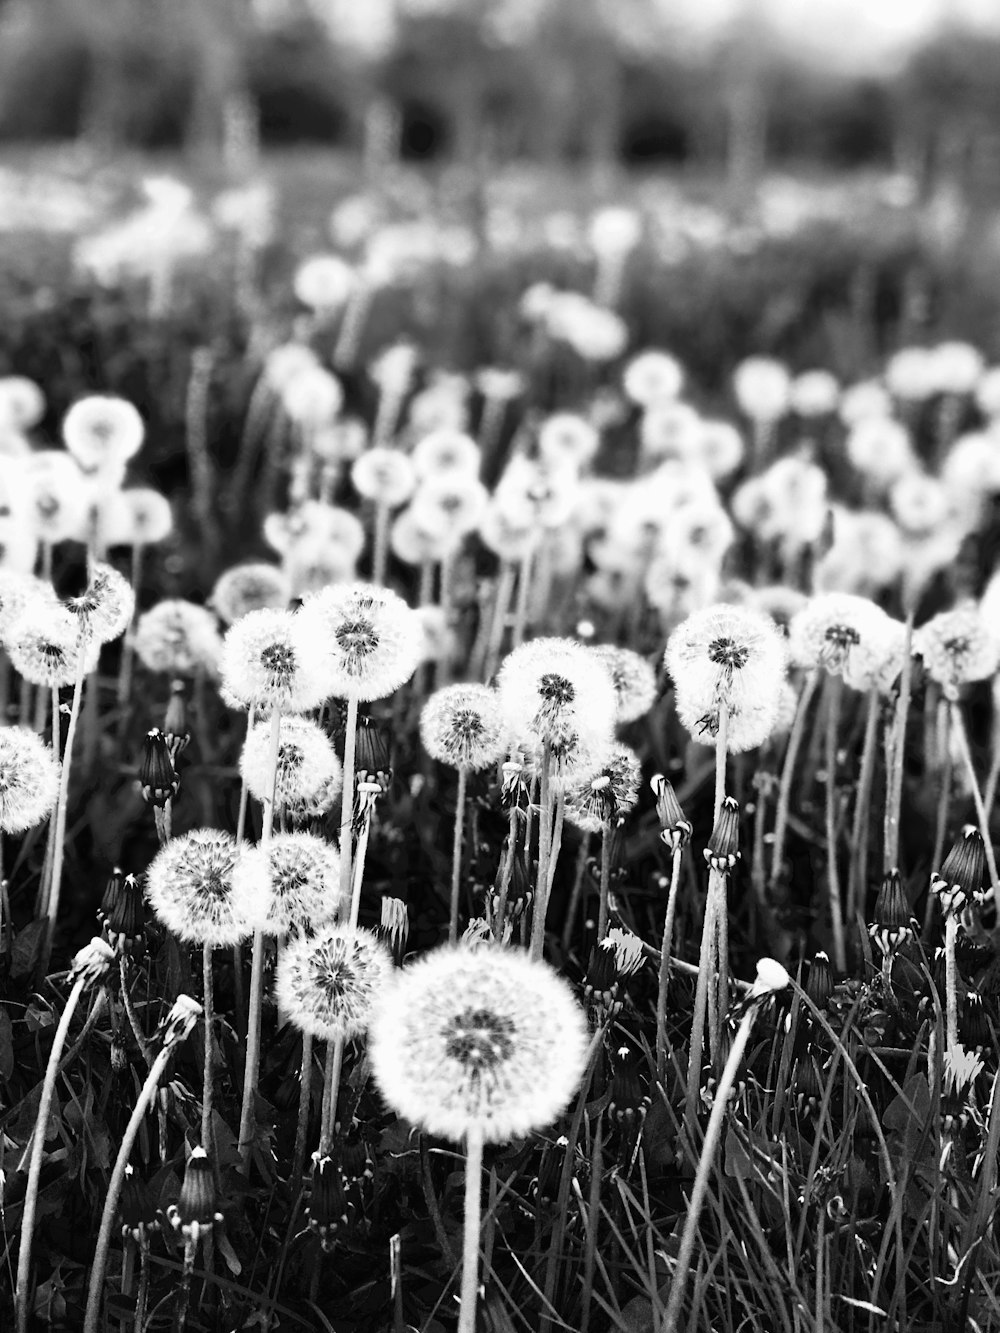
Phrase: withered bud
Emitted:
{"points": [[327, 1204], [181, 1020], [961, 878], [137, 1208], [394, 927], [723, 850], [93, 962]]}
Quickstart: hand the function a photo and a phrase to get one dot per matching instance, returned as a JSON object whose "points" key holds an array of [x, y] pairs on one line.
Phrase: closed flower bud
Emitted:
{"points": [[974, 1025], [328, 1206], [723, 850], [961, 877], [675, 830], [181, 1020], [125, 917], [394, 927], [195, 1210], [819, 982], [137, 1207], [157, 775], [373, 752], [892, 918]]}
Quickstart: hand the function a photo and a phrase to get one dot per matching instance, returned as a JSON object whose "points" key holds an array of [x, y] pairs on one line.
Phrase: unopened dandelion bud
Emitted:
{"points": [[111, 891], [138, 1209], [394, 927], [373, 752], [892, 924], [601, 984], [92, 962], [195, 1212], [181, 1020], [675, 830], [157, 775], [328, 1207], [819, 981], [808, 1089], [723, 850], [125, 917], [974, 1025], [960, 880]]}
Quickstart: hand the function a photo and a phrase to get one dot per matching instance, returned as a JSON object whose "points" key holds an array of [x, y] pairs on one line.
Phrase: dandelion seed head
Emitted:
{"points": [[29, 779], [814, 393], [834, 627], [324, 283], [135, 516], [178, 638], [104, 608], [375, 638], [446, 451], [955, 367], [384, 476], [632, 677], [919, 503], [552, 689], [652, 377], [869, 398], [509, 530], [877, 662], [308, 768], [880, 449], [611, 791], [720, 448], [728, 655], [312, 398], [567, 438], [44, 644], [277, 659], [762, 387], [462, 725], [19, 593], [748, 724], [670, 431], [57, 491], [22, 403], [417, 540], [200, 885], [102, 430], [452, 500], [250, 587], [329, 983], [300, 881], [957, 647], [909, 374], [478, 1040]]}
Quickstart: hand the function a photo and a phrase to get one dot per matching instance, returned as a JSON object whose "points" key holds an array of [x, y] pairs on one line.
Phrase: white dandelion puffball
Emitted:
{"points": [[251, 587], [45, 646], [394, 368], [329, 983], [670, 430], [762, 387], [832, 628], [731, 655], [276, 659], [455, 501], [102, 430], [29, 779], [814, 393], [919, 503], [552, 689], [877, 662], [511, 533], [308, 767], [909, 374], [858, 402], [652, 377], [417, 540], [313, 398], [720, 448], [324, 283], [958, 647], [972, 464], [136, 516], [178, 638], [462, 725], [880, 449], [478, 1040], [441, 406], [200, 885], [633, 678], [19, 593], [105, 607], [955, 367], [446, 451], [384, 476], [376, 639], [614, 231], [285, 362], [22, 403], [748, 724], [988, 392], [549, 491], [302, 882], [567, 438], [57, 495], [601, 797]]}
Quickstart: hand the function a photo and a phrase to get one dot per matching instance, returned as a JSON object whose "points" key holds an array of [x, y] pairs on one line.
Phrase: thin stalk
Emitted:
{"points": [[577, 892], [59, 835], [664, 969], [592, 1219], [699, 1014], [961, 736], [128, 651], [305, 1091], [544, 841], [602, 916], [858, 877], [206, 1094], [941, 823], [894, 775], [523, 597], [555, 845], [501, 610], [951, 980], [787, 774], [832, 871], [718, 967], [505, 875], [345, 352], [456, 854], [470, 1229], [347, 799], [142, 1295], [252, 1066], [331, 1089], [37, 1151], [131, 1015], [381, 549]]}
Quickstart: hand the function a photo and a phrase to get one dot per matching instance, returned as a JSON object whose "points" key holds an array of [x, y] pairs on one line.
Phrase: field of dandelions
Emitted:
{"points": [[500, 738]]}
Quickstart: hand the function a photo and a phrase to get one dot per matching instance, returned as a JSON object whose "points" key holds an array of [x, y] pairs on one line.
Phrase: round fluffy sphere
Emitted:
{"points": [[909, 374], [633, 679], [453, 500], [720, 448], [178, 638], [481, 1041], [762, 388], [251, 587], [509, 530], [324, 283], [302, 878], [313, 397], [565, 438], [22, 403], [988, 392], [880, 449], [44, 645], [554, 688], [384, 476], [19, 593], [105, 607], [919, 503], [732, 655], [651, 377], [958, 647], [462, 725], [417, 541], [670, 430], [832, 628], [57, 495], [614, 231], [600, 798], [393, 368], [329, 983], [29, 779], [102, 430], [136, 516], [814, 393], [201, 884], [956, 367], [748, 724], [308, 771], [375, 639], [276, 659], [858, 402], [446, 451], [285, 362]]}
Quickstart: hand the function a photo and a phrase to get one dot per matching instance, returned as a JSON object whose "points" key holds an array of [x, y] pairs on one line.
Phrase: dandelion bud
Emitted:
{"points": [[819, 981], [961, 878], [892, 924], [807, 1087], [29, 779], [628, 1100], [675, 830], [512, 784], [195, 1212], [328, 1207], [137, 1207], [93, 962], [372, 753], [157, 775], [394, 927], [602, 980], [125, 913], [181, 1020], [723, 850]]}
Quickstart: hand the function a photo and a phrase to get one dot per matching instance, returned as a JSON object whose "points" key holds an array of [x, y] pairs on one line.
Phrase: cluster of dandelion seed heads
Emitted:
{"points": [[375, 639], [202, 886], [833, 628], [178, 638], [104, 609], [29, 779], [308, 768], [301, 874], [44, 645], [552, 689], [958, 647], [633, 679], [462, 725], [602, 797], [329, 983], [478, 1040], [276, 659]]}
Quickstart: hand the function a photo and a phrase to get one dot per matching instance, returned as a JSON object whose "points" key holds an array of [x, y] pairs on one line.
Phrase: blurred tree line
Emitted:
{"points": [[596, 82]]}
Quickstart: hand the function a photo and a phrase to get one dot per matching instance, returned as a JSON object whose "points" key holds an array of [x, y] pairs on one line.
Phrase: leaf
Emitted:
{"points": [[6, 1046], [27, 947], [738, 1164]]}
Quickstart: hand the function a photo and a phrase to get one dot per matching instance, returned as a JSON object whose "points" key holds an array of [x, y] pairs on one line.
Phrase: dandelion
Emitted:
{"points": [[834, 628], [957, 647], [462, 725], [137, 516], [178, 638], [276, 659], [387, 478], [105, 608], [330, 982], [554, 688], [566, 439], [652, 377], [376, 639], [880, 449], [762, 387], [58, 495], [302, 878], [919, 503], [308, 773], [44, 645], [454, 501], [102, 431], [199, 884], [599, 800], [731, 657], [814, 393], [29, 779], [633, 679], [324, 283], [312, 398], [720, 448], [955, 368], [446, 451], [20, 592], [670, 431], [249, 587], [417, 540], [867, 399], [909, 374], [22, 403]]}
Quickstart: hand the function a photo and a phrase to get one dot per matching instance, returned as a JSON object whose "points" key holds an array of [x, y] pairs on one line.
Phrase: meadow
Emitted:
{"points": [[499, 750]]}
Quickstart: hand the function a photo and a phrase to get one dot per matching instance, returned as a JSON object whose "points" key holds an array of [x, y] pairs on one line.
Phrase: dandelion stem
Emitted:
{"points": [[347, 798], [894, 774], [577, 892], [498, 623], [664, 970], [206, 1095], [331, 1090], [305, 1092], [505, 875], [858, 876], [381, 552], [544, 840], [699, 1013], [523, 591], [345, 352], [961, 736], [788, 773], [59, 835], [456, 854], [941, 823], [720, 1007], [832, 871], [556, 844], [603, 914], [128, 654], [470, 1230], [37, 1151], [951, 981]]}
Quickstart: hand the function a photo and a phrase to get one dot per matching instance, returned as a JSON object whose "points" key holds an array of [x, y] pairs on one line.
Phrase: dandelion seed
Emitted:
{"points": [[29, 779], [178, 638], [329, 983], [199, 886], [376, 639], [478, 1040]]}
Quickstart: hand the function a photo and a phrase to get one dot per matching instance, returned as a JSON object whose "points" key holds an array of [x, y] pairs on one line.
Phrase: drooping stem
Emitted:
{"points": [[37, 1149], [858, 877], [347, 799], [832, 871], [788, 773], [664, 970], [59, 834], [305, 1091], [961, 736], [456, 854], [951, 981], [206, 1094], [544, 840], [470, 1230]]}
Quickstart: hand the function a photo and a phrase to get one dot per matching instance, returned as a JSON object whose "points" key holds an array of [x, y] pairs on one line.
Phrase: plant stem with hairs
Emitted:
{"points": [[456, 854], [470, 1230], [894, 770], [664, 968], [832, 871], [305, 1092], [603, 915], [523, 599], [858, 875], [544, 842], [59, 827], [951, 980], [788, 773], [347, 799], [206, 1093]]}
